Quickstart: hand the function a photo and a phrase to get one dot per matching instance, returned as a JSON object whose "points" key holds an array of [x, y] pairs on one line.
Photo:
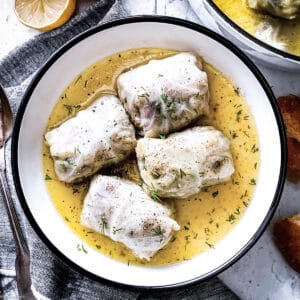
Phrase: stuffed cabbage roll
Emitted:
{"points": [[180, 165], [165, 95], [287, 9], [270, 33], [121, 210], [97, 137]]}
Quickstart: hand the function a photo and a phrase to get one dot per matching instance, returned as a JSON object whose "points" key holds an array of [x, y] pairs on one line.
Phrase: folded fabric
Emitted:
{"points": [[51, 278]]}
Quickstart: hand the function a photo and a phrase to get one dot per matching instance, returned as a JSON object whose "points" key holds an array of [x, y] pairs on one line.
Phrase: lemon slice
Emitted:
{"points": [[44, 14]]}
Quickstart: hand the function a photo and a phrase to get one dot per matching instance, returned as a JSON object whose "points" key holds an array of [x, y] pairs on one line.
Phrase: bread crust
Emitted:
{"points": [[286, 236], [293, 167], [290, 109]]}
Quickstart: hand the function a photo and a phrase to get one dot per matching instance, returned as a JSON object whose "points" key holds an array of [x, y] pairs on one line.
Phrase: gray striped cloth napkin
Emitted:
{"points": [[51, 278]]}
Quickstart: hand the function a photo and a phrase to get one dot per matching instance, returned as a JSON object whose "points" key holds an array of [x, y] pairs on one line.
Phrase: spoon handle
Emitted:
{"points": [[22, 263]]}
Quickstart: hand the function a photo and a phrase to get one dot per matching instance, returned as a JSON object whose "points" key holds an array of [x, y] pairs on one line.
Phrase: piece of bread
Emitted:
{"points": [[293, 168], [290, 109], [286, 235]]}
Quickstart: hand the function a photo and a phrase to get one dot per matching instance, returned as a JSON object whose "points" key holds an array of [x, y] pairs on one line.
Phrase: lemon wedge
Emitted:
{"points": [[44, 14]]}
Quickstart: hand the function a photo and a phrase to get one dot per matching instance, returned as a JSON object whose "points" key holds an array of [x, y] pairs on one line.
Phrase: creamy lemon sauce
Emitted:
{"points": [[249, 20], [205, 218]]}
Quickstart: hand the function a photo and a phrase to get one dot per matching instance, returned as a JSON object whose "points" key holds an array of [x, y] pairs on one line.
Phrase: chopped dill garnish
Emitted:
{"points": [[235, 182], [254, 148], [144, 95], [238, 115], [237, 211], [76, 150], [162, 136], [158, 231], [81, 248], [237, 91], [79, 77], [115, 230], [75, 190], [187, 241], [234, 134], [206, 230], [69, 161], [231, 218], [103, 225], [164, 97], [245, 133], [47, 177], [69, 108], [245, 194], [252, 181], [72, 108], [182, 173], [110, 158], [155, 174], [209, 245], [154, 195], [170, 105], [215, 194]]}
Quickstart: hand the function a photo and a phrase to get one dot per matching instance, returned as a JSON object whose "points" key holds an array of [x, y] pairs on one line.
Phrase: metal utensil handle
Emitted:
{"points": [[22, 253]]}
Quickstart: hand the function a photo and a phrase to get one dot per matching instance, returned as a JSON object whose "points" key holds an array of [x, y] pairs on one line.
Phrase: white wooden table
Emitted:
{"points": [[261, 273]]}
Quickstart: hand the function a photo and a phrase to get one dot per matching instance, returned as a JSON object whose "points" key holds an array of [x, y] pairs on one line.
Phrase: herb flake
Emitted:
{"points": [[47, 177], [231, 218], [81, 248], [182, 173], [254, 148], [215, 194], [237, 91], [154, 195], [209, 245], [155, 174], [158, 231]]}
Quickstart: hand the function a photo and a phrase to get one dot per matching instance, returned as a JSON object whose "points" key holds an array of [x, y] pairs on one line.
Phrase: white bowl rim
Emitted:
{"points": [[176, 22], [251, 37]]}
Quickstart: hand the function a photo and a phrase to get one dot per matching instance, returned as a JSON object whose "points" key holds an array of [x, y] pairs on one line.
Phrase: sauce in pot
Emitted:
{"points": [[250, 20]]}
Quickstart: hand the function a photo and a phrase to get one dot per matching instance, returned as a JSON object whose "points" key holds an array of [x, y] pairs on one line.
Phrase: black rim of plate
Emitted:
{"points": [[251, 37], [176, 22]]}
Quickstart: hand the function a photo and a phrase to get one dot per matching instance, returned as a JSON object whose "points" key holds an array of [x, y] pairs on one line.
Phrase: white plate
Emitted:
{"points": [[94, 45]]}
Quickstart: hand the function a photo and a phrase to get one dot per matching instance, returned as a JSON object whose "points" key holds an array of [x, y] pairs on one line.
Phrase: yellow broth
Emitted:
{"points": [[249, 20], [204, 218]]}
